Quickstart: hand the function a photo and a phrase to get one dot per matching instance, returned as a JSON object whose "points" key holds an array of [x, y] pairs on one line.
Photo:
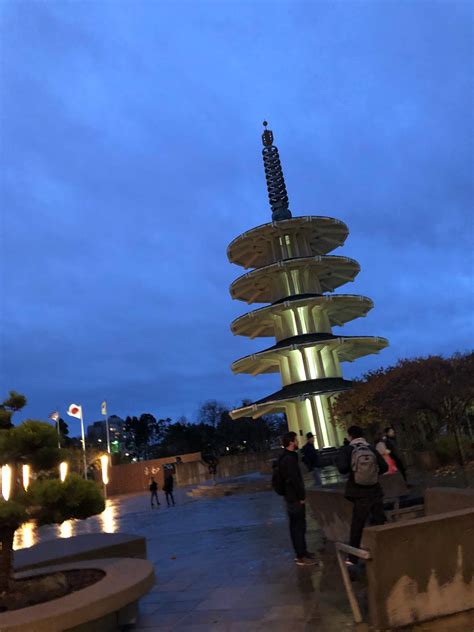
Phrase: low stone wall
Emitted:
{"points": [[442, 499], [106, 606], [420, 569], [332, 512], [135, 477], [88, 546]]}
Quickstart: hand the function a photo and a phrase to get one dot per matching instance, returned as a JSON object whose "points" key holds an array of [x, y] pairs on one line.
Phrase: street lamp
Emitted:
{"points": [[6, 481], [63, 468], [104, 462], [26, 476]]}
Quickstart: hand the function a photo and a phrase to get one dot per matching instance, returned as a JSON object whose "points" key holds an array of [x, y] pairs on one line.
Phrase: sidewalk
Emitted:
{"points": [[227, 564]]}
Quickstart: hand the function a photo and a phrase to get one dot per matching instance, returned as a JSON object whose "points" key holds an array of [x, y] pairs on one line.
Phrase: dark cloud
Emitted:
{"points": [[131, 158]]}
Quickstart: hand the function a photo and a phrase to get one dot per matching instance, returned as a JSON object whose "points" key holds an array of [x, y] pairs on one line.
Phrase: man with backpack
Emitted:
{"points": [[287, 481], [364, 465]]}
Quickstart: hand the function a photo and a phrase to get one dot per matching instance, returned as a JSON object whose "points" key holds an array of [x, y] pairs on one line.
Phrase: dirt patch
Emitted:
{"points": [[31, 591]]}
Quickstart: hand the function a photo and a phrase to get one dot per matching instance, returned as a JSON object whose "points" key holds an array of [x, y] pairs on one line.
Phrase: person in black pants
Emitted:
{"points": [[295, 498], [168, 487], [154, 492], [366, 498], [310, 457], [390, 441]]}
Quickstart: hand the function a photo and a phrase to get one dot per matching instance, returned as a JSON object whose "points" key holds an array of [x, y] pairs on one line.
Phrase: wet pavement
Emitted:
{"points": [[226, 564]]}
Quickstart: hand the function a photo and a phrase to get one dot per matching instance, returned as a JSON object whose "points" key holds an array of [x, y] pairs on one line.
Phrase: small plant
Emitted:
{"points": [[46, 500]]}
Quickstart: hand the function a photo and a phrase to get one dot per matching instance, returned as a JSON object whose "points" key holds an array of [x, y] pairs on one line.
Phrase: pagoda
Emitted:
{"points": [[293, 272]]}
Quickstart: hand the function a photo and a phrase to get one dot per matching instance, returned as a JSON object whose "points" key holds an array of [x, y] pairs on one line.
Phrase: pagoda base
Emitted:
{"points": [[307, 407]]}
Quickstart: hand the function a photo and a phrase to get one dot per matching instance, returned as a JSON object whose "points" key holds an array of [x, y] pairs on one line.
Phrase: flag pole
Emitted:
{"points": [[57, 426], [83, 445], [104, 409]]}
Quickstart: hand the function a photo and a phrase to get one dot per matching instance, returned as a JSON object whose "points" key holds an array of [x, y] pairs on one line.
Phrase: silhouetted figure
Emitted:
{"points": [[154, 492], [310, 457], [168, 487], [210, 458], [292, 489], [390, 441], [364, 465]]}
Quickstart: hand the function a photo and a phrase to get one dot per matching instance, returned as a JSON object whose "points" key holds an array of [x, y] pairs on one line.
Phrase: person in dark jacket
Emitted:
{"points": [[295, 498], [310, 457], [168, 487], [154, 492], [367, 499], [390, 441]]}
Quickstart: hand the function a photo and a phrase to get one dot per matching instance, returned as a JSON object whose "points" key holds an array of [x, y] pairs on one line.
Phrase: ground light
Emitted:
{"points": [[63, 469], [26, 476], [6, 481]]}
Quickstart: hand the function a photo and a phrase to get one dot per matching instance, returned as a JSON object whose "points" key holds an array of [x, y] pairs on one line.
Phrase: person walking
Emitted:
{"points": [[154, 492], [168, 487], [292, 489], [381, 447], [390, 441], [310, 457], [364, 465]]}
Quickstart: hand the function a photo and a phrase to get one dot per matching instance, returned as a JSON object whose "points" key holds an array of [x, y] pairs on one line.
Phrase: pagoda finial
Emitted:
{"points": [[274, 174]]}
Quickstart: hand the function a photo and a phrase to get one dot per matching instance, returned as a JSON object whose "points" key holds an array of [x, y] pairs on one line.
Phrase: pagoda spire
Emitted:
{"points": [[277, 194]]}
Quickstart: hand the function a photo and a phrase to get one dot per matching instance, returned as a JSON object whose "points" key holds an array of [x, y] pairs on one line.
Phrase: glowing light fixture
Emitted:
{"points": [[6, 481], [26, 476], [104, 461], [63, 468]]}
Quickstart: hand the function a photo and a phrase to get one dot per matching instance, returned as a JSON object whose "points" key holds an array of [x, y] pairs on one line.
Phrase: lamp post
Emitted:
{"points": [[104, 462], [6, 481], [63, 469], [26, 476]]}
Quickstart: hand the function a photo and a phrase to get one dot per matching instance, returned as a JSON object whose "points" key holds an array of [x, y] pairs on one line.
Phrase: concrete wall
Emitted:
{"points": [[443, 499], [135, 477], [421, 569], [332, 512]]}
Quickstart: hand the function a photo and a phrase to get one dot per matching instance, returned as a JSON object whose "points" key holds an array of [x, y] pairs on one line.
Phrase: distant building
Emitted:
{"points": [[97, 434]]}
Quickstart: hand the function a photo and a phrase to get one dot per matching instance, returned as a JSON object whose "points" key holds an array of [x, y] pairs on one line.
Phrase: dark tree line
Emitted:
{"points": [[148, 437]]}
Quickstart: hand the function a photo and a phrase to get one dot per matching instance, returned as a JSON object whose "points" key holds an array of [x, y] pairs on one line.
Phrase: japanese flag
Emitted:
{"points": [[75, 411]]}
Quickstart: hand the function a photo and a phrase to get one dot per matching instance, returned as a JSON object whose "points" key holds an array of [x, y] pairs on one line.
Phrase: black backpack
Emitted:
{"points": [[278, 482]]}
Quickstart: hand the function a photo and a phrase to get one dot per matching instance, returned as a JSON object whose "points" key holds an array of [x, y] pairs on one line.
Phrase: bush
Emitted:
{"points": [[446, 449]]}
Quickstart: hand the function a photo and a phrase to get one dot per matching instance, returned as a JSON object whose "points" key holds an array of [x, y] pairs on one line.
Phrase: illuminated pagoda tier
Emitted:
{"points": [[293, 271]]}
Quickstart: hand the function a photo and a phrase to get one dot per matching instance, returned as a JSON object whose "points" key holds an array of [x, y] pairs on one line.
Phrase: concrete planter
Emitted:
{"points": [[103, 607]]}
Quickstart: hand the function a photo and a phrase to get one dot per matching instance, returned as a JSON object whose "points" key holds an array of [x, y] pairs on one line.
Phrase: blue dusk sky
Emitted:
{"points": [[131, 157]]}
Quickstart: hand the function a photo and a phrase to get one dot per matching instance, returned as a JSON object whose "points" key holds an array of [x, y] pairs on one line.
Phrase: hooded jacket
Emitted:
{"points": [[344, 465]]}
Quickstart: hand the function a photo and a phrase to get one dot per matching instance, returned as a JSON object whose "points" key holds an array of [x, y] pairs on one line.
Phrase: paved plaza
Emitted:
{"points": [[226, 564]]}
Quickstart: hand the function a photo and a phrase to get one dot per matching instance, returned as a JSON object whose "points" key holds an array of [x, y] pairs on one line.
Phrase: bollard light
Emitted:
{"points": [[26, 476], [104, 461], [63, 468], [6, 481]]}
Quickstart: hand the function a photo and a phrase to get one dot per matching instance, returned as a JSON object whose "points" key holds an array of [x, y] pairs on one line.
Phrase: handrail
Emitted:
{"points": [[361, 553]]}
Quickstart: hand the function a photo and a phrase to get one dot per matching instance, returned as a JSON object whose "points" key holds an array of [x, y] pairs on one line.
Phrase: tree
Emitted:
{"points": [[12, 404], [441, 389], [422, 397], [210, 412], [143, 433], [46, 500]]}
